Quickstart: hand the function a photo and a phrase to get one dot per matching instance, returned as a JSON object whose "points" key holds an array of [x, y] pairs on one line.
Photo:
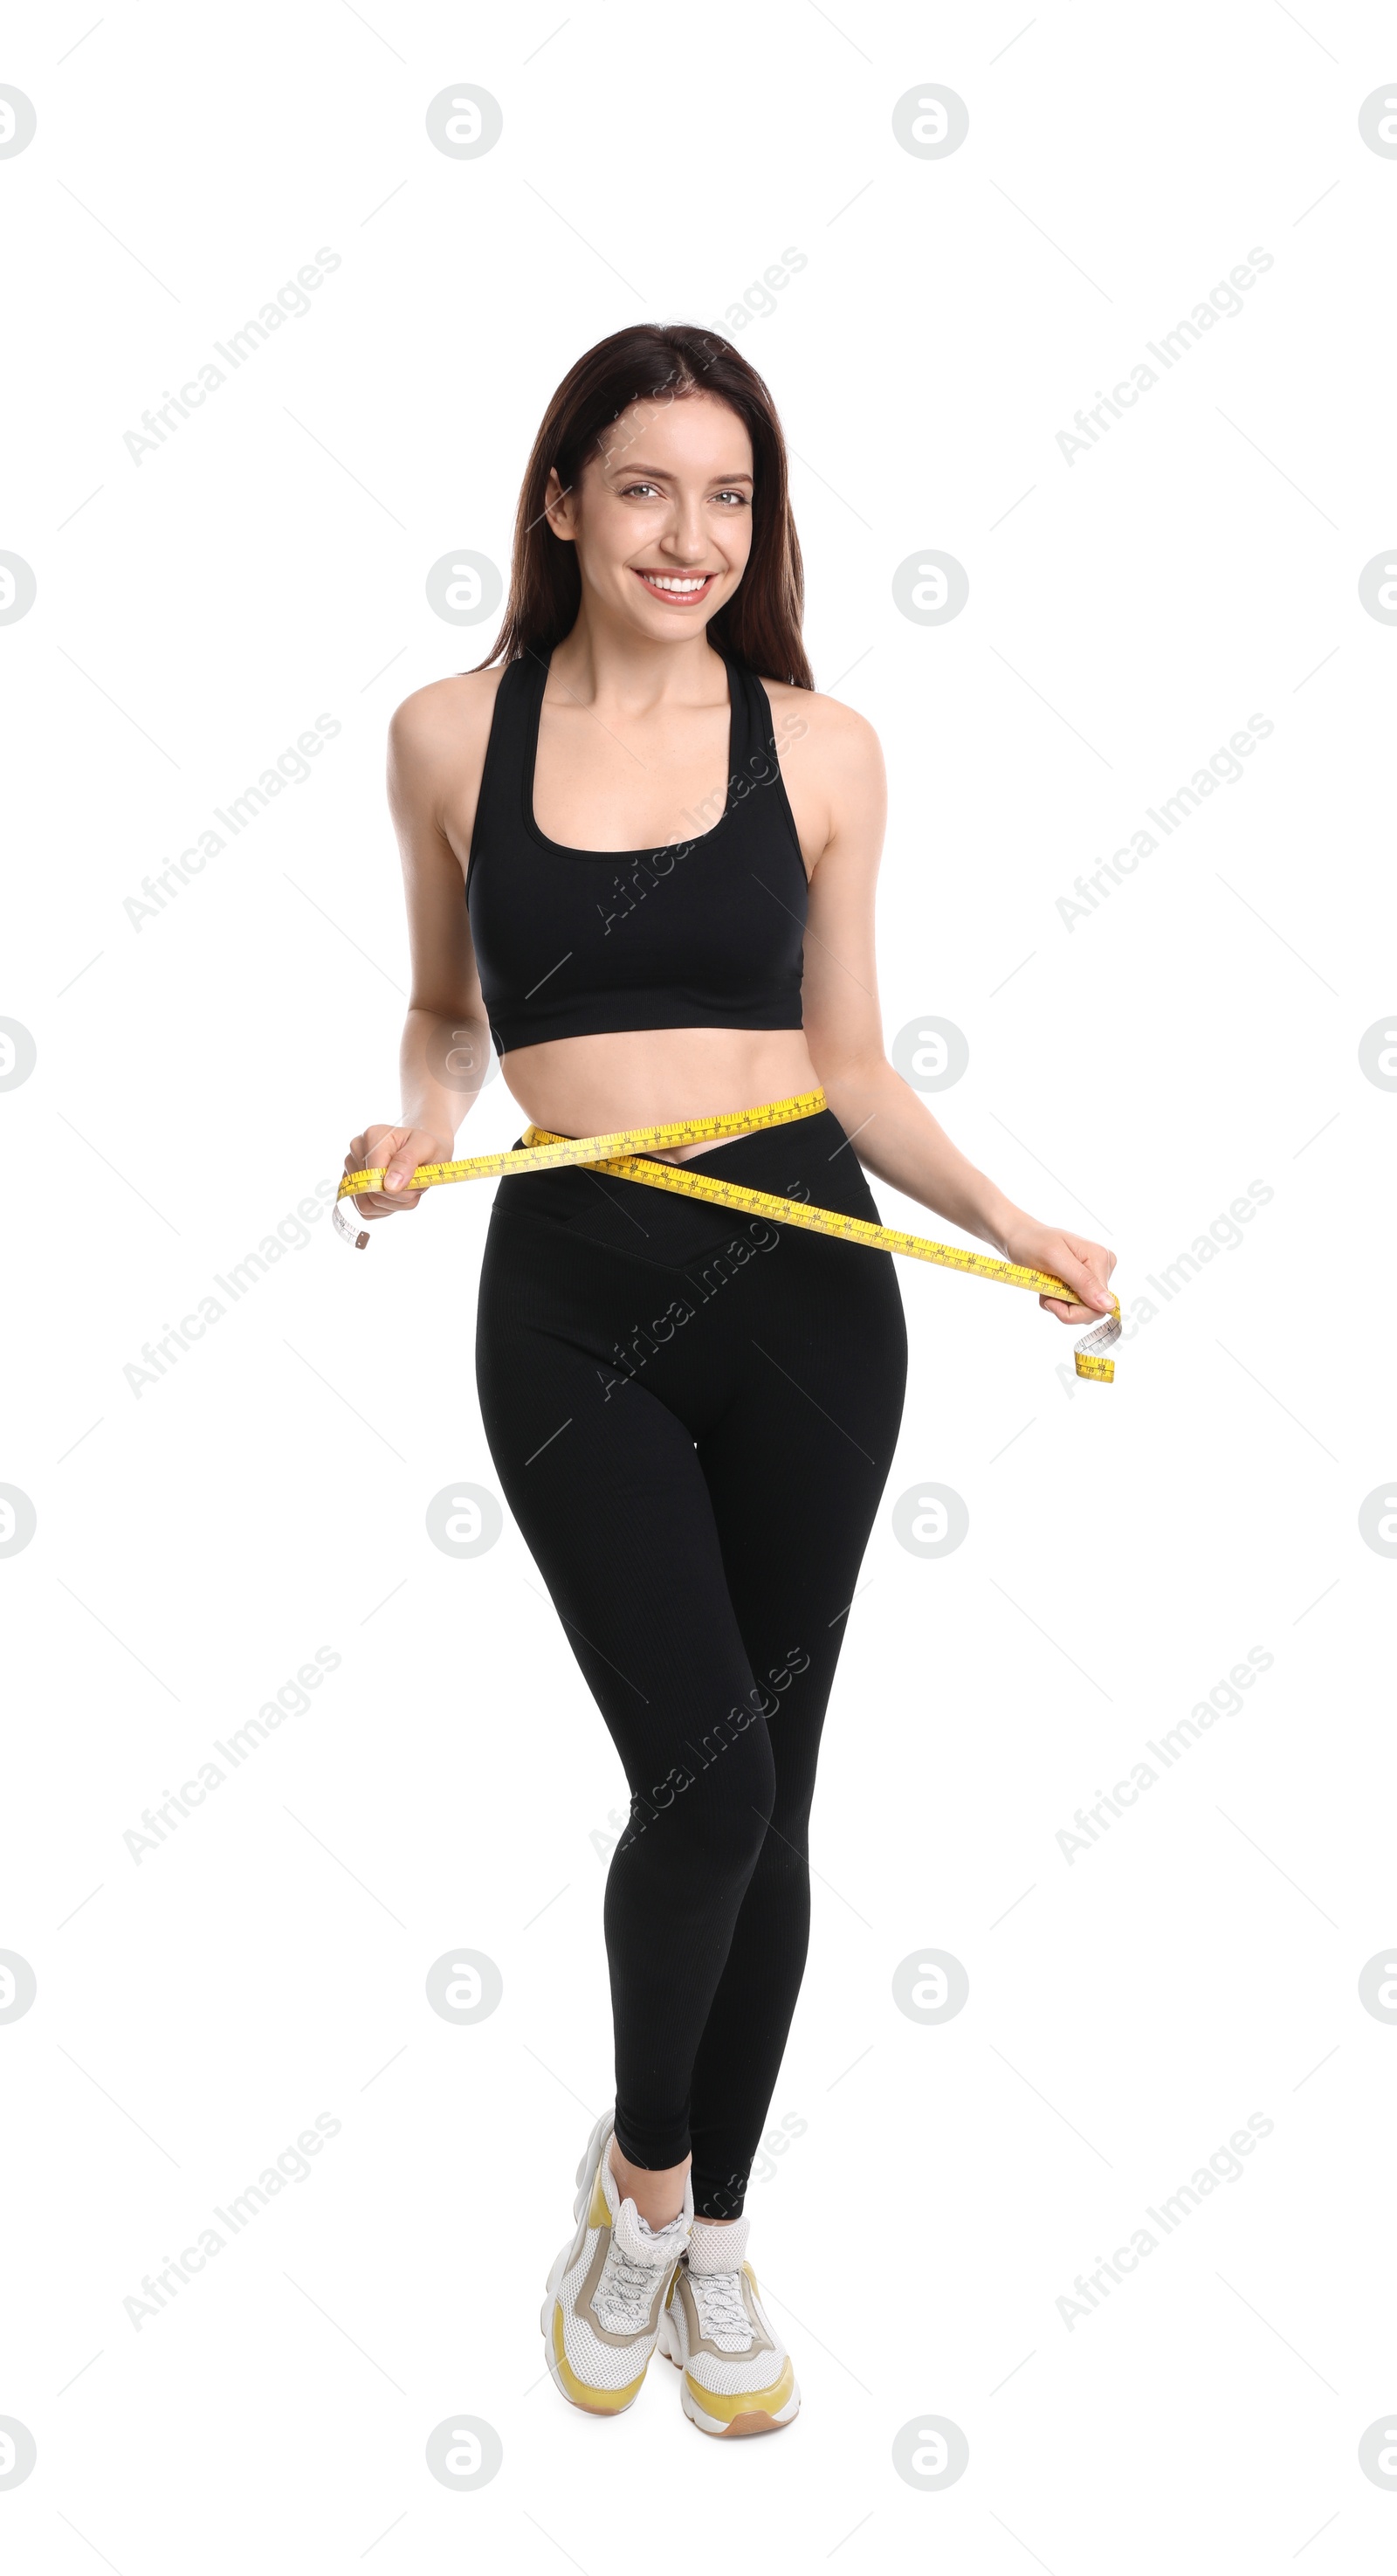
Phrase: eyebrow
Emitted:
{"points": [[662, 474]]}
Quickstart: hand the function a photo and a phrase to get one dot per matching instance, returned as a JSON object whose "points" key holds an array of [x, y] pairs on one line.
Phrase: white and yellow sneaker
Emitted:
{"points": [[605, 2295], [737, 2373]]}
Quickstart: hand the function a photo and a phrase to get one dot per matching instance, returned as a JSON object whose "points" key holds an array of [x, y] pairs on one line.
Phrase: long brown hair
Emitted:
{"points": [[760, 624]]}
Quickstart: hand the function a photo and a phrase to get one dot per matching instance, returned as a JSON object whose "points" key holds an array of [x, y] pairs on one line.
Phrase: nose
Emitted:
{"points": [[686, 538]]}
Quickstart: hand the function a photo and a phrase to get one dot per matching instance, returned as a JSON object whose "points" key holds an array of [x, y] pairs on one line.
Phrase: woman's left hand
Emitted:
{"points": [[1081, 1264]]}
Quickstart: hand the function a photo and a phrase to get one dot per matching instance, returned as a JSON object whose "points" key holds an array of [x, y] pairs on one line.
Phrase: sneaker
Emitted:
{"points": [[606, 2290], [738, 2376]]}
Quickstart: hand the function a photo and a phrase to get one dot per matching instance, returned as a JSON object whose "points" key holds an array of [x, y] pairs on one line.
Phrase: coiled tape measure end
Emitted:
{"points": [[626, 1154]]}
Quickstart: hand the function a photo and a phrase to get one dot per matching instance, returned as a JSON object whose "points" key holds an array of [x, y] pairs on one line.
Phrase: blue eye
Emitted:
{"points": [[629, 490]]}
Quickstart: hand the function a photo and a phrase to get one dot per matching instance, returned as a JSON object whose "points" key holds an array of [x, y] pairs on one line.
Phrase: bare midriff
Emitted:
{"points": [[591, 1086]]}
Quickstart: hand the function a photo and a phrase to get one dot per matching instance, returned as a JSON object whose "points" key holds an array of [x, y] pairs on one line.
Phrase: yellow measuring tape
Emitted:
{"points": [[626, 1155]]}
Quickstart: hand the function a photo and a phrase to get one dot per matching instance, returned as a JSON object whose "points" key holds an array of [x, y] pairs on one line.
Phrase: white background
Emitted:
{"points": [[199, 1537]]}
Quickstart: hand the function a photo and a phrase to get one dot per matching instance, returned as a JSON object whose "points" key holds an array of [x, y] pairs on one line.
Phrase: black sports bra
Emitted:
{"points": [[705, 933]]}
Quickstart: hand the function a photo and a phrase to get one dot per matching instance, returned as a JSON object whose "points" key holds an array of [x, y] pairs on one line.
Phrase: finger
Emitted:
{"points": [[1071, 1310], [376, 1203], [366, 1154], [368, 1151], [401, 1163], [1099, 1299], [1090, 1291], [375, 1148], [1067, 1314]]}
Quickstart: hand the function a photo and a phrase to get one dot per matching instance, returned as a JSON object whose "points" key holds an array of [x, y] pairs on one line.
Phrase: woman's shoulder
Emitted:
{"points": [[443, 711], [826, 724], [437, 741]]}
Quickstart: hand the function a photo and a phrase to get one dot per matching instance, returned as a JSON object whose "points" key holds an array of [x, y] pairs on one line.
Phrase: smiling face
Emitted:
{"points": [[661, 515]]}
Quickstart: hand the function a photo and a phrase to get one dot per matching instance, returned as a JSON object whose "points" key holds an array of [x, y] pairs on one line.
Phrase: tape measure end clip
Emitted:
{"points": [[354, 1234]]}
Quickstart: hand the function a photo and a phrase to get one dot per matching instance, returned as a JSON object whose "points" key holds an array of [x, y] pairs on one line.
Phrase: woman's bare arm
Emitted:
{"points": [[893, 1131], [436, 753]]}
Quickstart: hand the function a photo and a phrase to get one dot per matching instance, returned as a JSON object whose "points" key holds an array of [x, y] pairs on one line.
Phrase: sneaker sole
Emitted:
{"points": [[755, 2419], [588, 2401]]}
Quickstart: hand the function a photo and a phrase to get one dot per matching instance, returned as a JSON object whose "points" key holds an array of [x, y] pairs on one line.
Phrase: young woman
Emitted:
{"points": [[640, 854]]}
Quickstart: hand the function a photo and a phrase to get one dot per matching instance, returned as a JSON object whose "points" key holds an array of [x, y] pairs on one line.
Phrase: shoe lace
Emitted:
{"points": [[625, 2290], [722, 2310]]}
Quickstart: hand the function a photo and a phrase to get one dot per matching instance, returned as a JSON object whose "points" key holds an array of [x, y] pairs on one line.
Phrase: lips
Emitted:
{"points": [[677, 590]]}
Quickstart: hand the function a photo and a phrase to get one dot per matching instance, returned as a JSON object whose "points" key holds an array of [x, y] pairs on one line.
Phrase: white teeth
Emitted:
{"points": [[662, 581]]}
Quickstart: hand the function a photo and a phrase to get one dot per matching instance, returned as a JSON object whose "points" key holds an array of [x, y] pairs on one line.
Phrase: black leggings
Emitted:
{"points": [[692, 1414]]}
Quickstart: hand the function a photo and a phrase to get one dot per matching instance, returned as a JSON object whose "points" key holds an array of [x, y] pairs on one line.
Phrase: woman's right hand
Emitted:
{"points": [[397, 1152]]}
